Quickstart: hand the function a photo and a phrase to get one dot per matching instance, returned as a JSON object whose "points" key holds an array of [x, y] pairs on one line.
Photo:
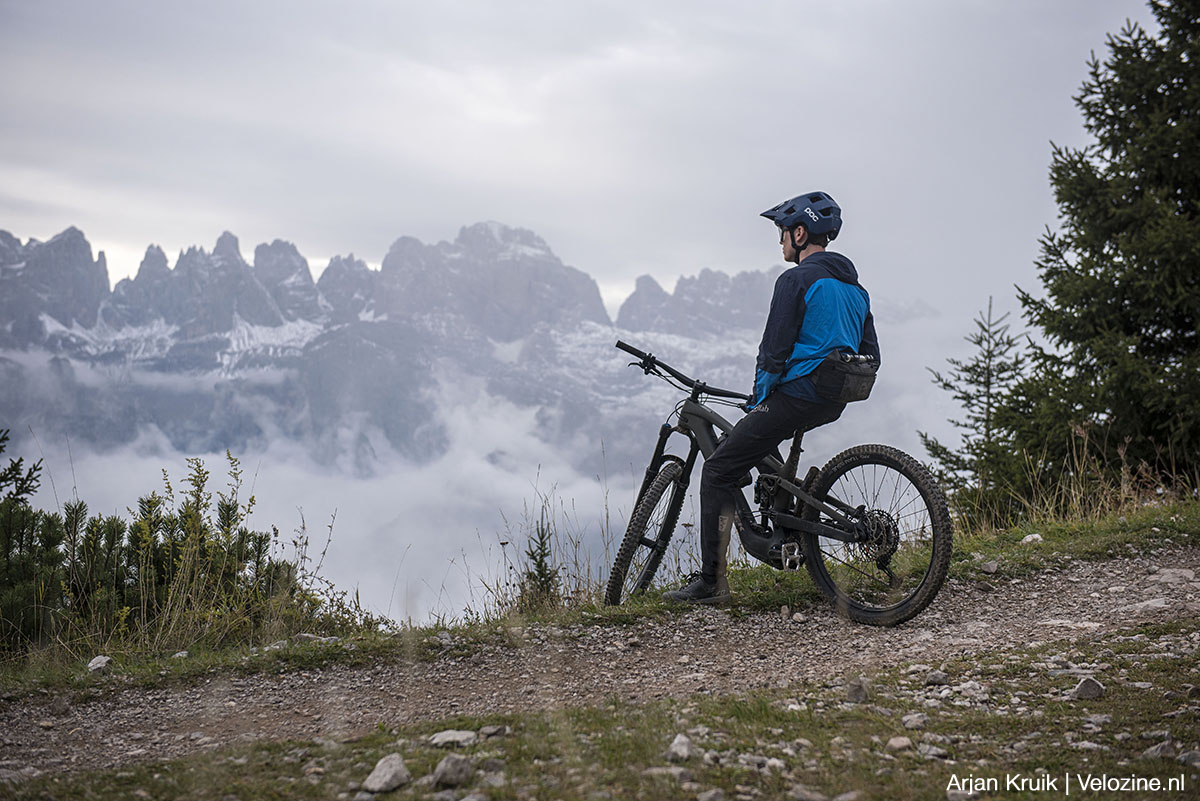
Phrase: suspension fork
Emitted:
{"points": [[660, 456]]}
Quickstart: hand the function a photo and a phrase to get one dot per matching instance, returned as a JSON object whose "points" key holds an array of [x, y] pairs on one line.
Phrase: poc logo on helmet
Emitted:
{"points": [[812, 214]]}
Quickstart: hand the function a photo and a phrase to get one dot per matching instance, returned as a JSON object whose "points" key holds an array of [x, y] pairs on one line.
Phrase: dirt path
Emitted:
{"points": [[700, 650]]}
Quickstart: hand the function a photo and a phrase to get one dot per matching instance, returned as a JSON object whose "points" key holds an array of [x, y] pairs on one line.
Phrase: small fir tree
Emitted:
{"points": [[539, 581], [982, 471]]}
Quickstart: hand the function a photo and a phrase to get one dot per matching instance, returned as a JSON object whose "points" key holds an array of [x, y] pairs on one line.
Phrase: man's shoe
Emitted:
{"points": [[699, 591]]}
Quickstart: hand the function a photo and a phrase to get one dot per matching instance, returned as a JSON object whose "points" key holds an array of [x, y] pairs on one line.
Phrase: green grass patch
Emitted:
{"points": [[1127, 534]]}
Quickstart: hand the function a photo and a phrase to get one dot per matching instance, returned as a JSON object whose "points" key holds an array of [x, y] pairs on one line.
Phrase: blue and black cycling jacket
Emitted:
{"points": [[818, 306]]}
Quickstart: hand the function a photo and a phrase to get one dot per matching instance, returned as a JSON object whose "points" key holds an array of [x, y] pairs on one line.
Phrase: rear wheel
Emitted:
{"points": [[896, 571], [647, 536]]}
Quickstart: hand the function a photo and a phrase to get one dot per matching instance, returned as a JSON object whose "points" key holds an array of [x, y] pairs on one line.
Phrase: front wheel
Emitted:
{"points": [[647, 536], [896, 571]]}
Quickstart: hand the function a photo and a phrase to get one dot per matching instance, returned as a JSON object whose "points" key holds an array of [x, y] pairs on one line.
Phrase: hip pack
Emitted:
{"points": [[845, 377]]}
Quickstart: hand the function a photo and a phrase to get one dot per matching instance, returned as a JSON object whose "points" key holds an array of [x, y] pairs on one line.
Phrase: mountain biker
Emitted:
{"points": [[818, 306]]}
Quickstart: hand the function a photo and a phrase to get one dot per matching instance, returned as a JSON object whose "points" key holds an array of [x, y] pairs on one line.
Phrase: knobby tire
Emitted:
{"points": [[633, 550], [909, 509]]}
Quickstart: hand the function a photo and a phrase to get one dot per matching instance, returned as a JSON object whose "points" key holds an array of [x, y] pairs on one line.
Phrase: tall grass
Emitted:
{"points": [[1086, 486]]}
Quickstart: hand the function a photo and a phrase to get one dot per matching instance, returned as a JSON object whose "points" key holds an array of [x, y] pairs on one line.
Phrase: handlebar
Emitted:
{"points": [[650, 362]]}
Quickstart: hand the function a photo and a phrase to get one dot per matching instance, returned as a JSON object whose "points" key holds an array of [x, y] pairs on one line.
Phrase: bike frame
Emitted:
{"points": [[700, 424]]}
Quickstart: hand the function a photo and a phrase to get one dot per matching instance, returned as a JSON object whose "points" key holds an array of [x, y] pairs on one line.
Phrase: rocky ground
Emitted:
{"points": [[695, 651]]}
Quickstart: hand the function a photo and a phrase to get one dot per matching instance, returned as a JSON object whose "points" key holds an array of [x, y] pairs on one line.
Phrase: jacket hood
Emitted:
{"points": [[838, 265]]}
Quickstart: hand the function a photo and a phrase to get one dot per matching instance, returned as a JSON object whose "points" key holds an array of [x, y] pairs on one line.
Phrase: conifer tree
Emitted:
{"points": [[981, 474], [1120, 311]]}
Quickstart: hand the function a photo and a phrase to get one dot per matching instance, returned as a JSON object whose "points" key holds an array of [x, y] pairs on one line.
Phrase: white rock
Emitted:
{"points": [[915, 720], [453, 738], [389, 773], [990, 567], [101, 665], [899, 743], [681, 749], [1028, 539], [180, 655]]}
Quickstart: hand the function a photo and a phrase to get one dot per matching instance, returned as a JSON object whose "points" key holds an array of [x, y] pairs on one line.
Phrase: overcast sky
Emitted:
{"points": [[634, 137]]}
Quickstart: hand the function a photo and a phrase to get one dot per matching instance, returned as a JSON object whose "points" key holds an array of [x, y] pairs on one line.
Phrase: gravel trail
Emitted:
{"points": [[694, 651]]}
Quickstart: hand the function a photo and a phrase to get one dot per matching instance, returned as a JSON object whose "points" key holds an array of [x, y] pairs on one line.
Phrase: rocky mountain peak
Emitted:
{"points": [[227, 250], [494, 280], [409, 255], [10, 248], [641, 310], [284, 272], [153, 268], [58, 278], [707, 304], [348, 286], [493, 240]]}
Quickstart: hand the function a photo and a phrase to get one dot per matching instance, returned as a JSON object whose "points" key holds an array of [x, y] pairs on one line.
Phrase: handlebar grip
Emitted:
{"points": [[630, 349]]}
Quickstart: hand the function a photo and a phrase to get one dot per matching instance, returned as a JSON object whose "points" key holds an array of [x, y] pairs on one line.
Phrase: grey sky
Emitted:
{"points": [[634, 137]]}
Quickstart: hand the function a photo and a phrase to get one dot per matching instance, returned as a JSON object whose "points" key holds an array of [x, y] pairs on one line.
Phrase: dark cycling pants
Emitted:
{"points": [[756, 435]]}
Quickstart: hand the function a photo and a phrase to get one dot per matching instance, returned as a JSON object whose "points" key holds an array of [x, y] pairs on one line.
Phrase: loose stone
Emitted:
{"points": [[857, 690], [454, 770], [681, 749], [1087, 689], [101, 665], [453, 738], [389, 773]]}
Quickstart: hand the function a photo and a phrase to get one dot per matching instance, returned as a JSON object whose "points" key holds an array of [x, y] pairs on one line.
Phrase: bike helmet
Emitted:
{"points": [[816, 211]]}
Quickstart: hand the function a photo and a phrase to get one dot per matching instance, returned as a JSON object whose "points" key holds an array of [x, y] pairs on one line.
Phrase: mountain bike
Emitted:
{"points": [[871, 527]]}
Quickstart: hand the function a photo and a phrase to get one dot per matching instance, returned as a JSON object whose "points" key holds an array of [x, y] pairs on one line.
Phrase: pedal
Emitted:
{"points": [[792, 556]]}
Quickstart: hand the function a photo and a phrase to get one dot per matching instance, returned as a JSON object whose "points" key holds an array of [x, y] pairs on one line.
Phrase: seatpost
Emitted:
{"points": [[793, 461]]}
